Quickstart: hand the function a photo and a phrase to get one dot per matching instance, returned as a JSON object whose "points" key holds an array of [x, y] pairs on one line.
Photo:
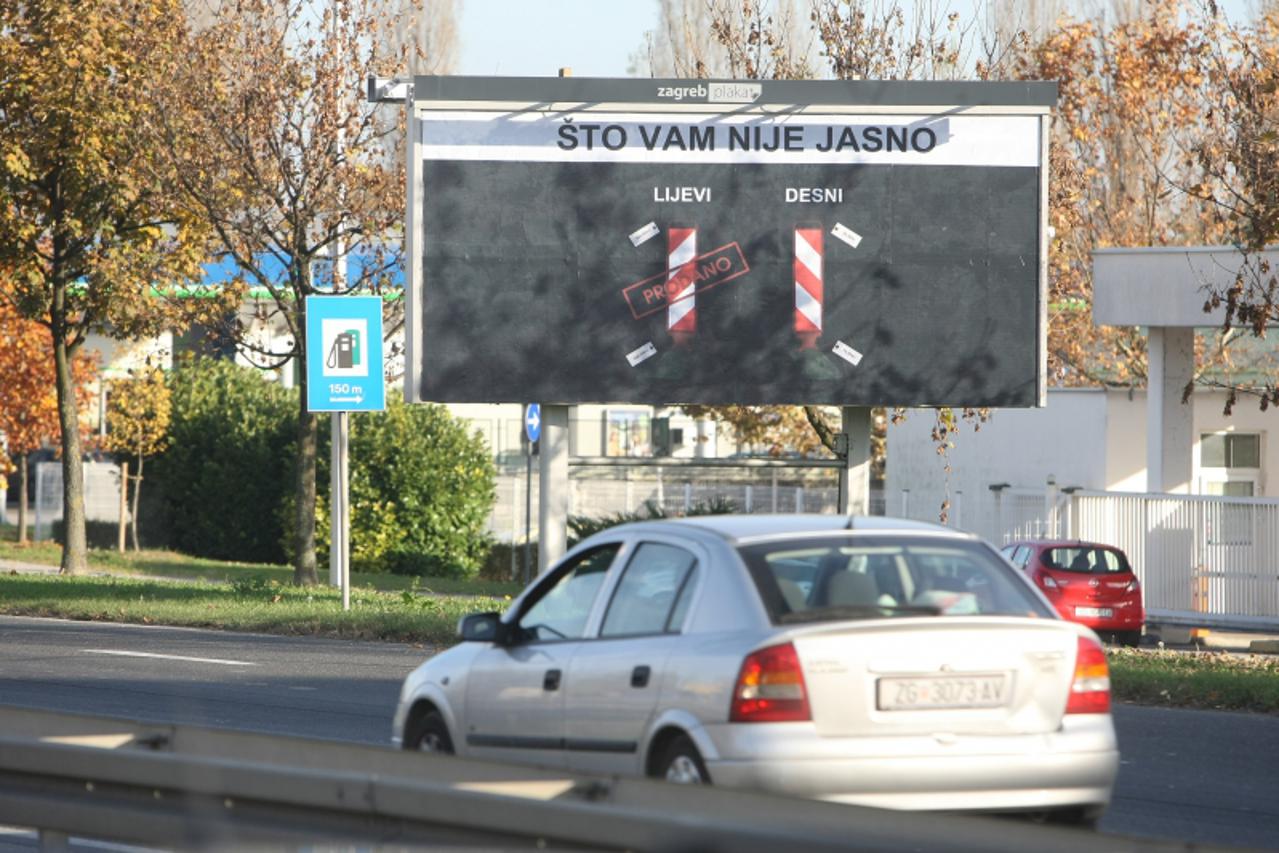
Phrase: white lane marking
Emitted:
{"points": [[167, 657], [100, 741], [533, 789]]}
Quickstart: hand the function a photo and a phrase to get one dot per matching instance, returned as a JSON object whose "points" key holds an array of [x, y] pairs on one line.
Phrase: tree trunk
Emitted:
{"points": [[133, 521], [22, 498], [304, 527], [825, 432], [74, 547]]}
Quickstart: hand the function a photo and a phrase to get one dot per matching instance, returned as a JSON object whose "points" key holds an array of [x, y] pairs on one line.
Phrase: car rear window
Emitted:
{"points": [[1085, 560], [829, 579]]}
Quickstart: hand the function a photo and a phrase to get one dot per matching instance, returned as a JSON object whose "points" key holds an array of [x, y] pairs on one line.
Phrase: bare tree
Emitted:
{"points": [[293, 170], [729, 38]]}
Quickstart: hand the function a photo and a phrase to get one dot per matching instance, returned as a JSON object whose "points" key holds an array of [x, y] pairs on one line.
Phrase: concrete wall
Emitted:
{"points": [[1020, 447], [1091, 438]]}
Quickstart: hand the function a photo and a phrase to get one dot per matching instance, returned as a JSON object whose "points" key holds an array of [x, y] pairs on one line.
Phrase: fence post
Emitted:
{"points": [[629, 497], [1050, 507], [748, 497], [688, 496], [124, 503], [661, 489], [774, 490], [905, 503], [799, 499]]}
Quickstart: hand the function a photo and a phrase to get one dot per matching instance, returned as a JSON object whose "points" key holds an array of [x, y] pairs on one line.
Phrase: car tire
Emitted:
{"points": [[429, 733], [1131, 639], [682, 764]]}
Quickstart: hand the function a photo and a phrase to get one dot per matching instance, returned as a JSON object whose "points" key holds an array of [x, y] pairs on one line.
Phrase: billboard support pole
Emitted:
{"points": [[854, 477], [552, 499]]}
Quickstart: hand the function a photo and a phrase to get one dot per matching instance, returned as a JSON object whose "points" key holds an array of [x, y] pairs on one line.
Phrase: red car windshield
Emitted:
{"points": [[1085, 560]]}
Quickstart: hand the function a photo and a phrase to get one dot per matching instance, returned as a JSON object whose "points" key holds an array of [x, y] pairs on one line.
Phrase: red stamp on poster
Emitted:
{"points": [[712, 269]]}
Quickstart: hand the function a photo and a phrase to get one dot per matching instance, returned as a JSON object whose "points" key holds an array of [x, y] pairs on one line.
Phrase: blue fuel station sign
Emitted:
{"points": [[344, 354]]}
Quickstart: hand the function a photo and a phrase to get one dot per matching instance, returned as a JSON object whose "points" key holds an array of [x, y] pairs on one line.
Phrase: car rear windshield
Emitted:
{"points": [[829, 579], [1085, 559]]}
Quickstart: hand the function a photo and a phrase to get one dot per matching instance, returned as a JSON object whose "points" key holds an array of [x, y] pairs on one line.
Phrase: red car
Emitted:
{"points": [[1087, 582]]}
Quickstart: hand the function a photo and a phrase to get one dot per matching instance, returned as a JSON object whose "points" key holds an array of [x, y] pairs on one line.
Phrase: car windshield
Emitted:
{"points": [[831, 579], [1086, 560]]}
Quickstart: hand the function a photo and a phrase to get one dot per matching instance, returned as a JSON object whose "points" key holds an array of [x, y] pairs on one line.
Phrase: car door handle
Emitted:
{"points": [[551, 681], [639, 676]]}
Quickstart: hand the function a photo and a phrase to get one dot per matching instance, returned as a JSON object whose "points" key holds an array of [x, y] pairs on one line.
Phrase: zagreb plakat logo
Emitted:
{"points": [[345, 343]]}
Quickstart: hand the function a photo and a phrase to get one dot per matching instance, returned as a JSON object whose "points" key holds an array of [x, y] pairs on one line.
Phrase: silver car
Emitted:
{"points": [[864, 660]]}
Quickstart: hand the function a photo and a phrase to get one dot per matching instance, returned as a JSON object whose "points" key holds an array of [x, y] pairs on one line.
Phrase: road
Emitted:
{"points": [[1196, 776]]}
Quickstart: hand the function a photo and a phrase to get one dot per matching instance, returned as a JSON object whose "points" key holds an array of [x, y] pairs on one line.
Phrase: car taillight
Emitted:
{"points": [[770, 688], [1090, 687], [1133, 586]]}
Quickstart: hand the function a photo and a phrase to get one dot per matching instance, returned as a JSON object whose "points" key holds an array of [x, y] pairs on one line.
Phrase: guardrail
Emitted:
{"points": [[192, 787]]}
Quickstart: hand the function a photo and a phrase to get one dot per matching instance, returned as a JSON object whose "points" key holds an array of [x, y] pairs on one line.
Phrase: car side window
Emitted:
{"points": [[1022, 556], [562, 608], [645, 598]]}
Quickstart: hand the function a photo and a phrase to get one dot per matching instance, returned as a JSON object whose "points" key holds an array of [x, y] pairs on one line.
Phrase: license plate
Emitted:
{"points": [[1094, 612], [942, 691]]}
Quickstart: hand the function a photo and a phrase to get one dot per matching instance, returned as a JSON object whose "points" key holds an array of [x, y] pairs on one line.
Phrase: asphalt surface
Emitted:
{"points": [[1195, 776]]}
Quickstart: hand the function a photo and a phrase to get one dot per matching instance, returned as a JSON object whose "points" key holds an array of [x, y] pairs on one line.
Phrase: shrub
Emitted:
{"points": [[422, 488], [98, 534], [581, 526], [216, 490]]}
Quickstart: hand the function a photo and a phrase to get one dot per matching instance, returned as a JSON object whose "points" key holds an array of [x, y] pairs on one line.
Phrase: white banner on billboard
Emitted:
{"points": [[952, 140]]}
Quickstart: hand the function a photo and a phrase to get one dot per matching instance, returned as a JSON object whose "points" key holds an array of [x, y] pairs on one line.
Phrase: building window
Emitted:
{"points": [[1230, 450], [1229, 464]]}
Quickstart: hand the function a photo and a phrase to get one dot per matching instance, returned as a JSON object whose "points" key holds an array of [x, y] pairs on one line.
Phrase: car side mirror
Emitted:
{"points": [[481, 627]]}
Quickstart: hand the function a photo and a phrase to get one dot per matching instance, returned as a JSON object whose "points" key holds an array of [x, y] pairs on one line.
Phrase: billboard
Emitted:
{"points": [[727, 242]]}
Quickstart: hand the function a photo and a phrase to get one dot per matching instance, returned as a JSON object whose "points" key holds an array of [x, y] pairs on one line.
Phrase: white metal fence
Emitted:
{"points": [[1202, 560], [600, 488], [101, 495]]}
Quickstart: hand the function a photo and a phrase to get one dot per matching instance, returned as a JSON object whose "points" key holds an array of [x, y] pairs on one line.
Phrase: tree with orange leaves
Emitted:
{"points": [[92, 238], [28, 399]]}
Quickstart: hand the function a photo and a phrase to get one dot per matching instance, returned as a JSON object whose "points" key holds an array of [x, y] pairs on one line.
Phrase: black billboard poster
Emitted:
{"points": [[745, 257]]}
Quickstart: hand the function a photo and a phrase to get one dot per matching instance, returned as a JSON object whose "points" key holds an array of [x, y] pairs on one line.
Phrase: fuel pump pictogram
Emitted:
{"points": [[345, 352]]}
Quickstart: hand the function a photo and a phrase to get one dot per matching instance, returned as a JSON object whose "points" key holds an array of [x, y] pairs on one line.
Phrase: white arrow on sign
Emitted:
{"points": [[356, 400]]}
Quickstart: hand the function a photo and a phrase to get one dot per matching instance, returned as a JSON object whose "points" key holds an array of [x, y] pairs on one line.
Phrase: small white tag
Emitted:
{"points": [[645, 352], [648, 232], [847, 353], [848, 235]]}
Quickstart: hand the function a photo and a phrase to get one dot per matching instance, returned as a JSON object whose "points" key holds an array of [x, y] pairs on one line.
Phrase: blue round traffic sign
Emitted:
{"points": [[533, 421]]}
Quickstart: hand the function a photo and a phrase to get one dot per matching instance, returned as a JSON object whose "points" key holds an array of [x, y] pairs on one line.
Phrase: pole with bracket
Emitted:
{"points": [[854, 476]]}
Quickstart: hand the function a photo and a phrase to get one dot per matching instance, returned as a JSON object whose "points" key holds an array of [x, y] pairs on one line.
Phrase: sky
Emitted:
{"points": [[535, 38], [595, 38]]}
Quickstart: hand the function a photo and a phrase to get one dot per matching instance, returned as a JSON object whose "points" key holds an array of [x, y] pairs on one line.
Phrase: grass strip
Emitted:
{"points": [[267, 607], [170, 564], [1212, 680]]}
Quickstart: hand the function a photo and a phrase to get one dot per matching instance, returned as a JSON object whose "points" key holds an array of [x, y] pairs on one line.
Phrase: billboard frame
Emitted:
{"points": [[709, 97]]}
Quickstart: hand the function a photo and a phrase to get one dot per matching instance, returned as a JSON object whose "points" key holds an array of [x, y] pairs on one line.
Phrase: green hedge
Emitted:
{"points": [[215, 492], [422, 487]]}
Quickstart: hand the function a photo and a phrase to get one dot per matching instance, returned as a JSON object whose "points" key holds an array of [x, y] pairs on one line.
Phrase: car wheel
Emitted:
{"points": [[429, 733], [1131, 639], [681, 763]]}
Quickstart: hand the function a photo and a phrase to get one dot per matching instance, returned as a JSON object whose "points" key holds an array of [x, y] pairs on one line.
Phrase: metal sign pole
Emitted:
{"points": [[344, 515], [528, 512], [335, 497]]}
